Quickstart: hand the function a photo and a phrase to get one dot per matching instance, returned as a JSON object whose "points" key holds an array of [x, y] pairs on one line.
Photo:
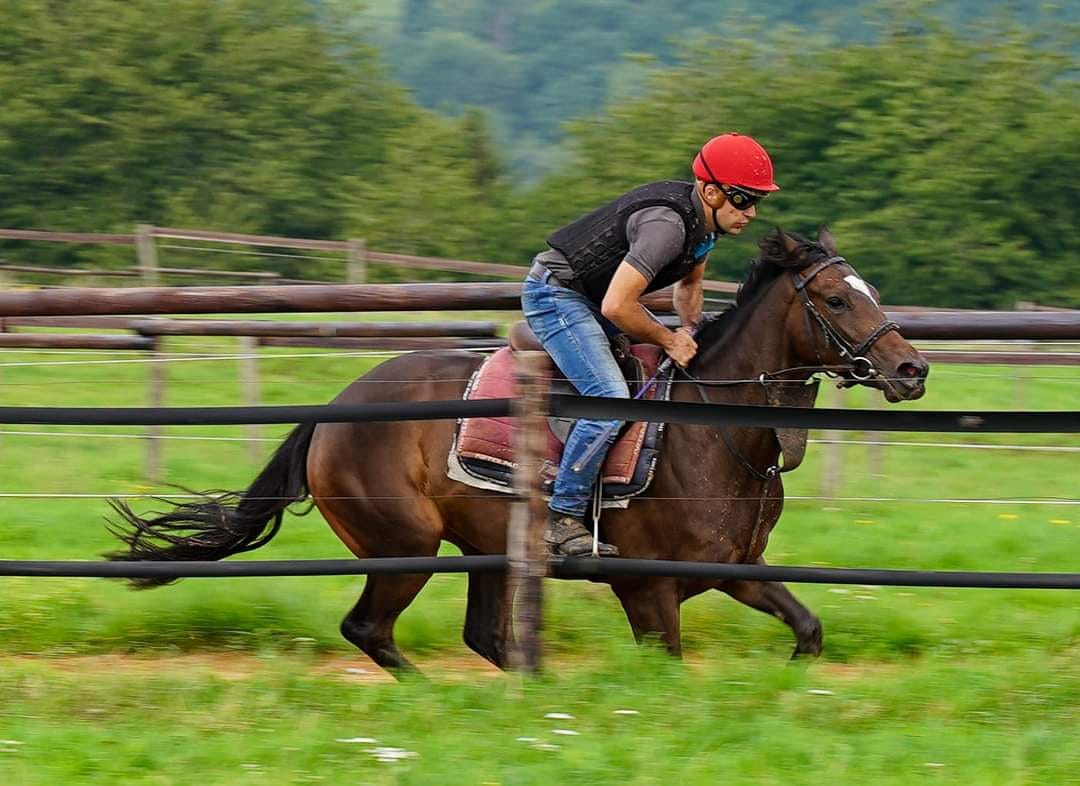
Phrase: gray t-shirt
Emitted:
{"points": [[657, 237]]}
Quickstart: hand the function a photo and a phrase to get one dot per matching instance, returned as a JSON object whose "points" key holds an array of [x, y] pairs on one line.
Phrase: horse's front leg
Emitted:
{"points": [[652, 606], [774, 598]]}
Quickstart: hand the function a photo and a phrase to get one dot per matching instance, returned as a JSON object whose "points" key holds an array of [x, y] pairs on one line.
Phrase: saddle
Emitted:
{"points": [[522, 339], [482, 453]]}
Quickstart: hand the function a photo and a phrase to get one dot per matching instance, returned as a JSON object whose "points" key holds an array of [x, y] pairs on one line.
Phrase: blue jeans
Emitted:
{"points": [[576, 336]]}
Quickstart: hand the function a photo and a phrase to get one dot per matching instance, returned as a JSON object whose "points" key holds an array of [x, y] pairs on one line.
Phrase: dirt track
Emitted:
{"points": [[242, 666], [358, 668]]}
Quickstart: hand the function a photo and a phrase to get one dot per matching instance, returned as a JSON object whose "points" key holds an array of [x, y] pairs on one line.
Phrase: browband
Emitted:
{"points": [[802, 280]]}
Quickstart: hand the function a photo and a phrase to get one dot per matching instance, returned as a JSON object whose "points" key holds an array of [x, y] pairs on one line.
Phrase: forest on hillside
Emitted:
{"points": [[531, 65], [945, 156]]}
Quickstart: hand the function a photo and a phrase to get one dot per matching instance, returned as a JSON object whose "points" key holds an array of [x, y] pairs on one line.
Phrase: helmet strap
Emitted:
{"points": [[715, 210], [712, 181]]}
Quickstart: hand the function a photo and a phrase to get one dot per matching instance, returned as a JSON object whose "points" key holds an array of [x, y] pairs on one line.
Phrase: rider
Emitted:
{"points": [[584, 290]]}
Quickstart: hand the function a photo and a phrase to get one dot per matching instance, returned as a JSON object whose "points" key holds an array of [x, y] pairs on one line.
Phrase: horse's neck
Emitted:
{"points": [[755, 346]]}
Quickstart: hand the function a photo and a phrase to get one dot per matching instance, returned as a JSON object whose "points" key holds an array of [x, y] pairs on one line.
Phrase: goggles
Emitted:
{"points": [[740, 198]]}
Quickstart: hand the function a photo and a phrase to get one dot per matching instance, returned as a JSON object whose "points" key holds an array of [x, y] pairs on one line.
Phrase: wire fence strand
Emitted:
{"points": [[167, 497], [843, 442]]}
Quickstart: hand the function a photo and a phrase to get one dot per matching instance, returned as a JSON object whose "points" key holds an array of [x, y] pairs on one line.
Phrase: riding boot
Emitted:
{"points": [[566, 536]]}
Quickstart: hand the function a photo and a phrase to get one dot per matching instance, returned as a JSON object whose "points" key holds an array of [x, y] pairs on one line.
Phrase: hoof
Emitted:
{"points": [[810, 642]]}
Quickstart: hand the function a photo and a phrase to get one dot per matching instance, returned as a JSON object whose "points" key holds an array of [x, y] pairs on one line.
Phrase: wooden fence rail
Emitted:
{"points": [[938, 325], [74, 341], [1010, 358], [266, 327], [264, 299], [91, 323], [357, 257], [255, 328], [88, 238], [207, 272], [69, 271], [385, 343]]}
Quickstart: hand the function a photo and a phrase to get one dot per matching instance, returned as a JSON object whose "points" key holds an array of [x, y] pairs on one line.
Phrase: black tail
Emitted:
{"points": [[219, 524]]}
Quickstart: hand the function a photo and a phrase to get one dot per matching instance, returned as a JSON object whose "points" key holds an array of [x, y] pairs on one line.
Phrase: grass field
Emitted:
{"points": [[242, 681]]}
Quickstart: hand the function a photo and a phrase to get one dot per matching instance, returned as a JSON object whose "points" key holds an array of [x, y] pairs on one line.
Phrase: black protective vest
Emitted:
{"points": [[595, 244]]}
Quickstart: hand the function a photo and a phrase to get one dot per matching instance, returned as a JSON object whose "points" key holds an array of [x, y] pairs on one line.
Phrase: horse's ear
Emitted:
{"points": [[825, 238], [791, 249]]}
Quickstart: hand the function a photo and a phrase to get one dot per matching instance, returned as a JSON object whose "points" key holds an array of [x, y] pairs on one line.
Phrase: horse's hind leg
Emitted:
{"points": [[370, 624], [774, 598], [402, 526]]}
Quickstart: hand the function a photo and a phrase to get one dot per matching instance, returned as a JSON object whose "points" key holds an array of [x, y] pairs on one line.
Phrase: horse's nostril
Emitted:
{"points": [[911, 371]]}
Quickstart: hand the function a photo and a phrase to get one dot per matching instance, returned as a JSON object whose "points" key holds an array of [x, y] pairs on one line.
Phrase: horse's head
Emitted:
{"points": [[834, 319]]}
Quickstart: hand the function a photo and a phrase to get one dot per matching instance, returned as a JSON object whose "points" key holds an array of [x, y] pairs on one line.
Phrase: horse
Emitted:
{"points": [[802, 310]]}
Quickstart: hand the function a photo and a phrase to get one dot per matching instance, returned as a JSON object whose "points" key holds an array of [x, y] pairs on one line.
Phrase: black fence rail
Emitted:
{"points": [[566, 568], [572, 406], [1058, 422]]}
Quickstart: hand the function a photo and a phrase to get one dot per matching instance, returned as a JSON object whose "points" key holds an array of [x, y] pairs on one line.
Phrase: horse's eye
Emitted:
{"points": [[835, 302]]}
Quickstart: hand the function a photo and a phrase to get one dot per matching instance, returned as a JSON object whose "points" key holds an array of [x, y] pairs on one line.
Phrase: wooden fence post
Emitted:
{"points": [[875, 451], [526, 553], [357, 266], [1022, 378], [249, 381], [155, 468], [146, 253], [875, 456]]}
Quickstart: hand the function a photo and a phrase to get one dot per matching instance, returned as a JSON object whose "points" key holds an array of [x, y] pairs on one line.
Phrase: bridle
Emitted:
{"points": [[859, 365]]}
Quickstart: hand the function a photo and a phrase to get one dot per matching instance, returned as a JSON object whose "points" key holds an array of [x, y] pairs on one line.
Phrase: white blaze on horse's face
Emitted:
{"points": [[861, 286]]}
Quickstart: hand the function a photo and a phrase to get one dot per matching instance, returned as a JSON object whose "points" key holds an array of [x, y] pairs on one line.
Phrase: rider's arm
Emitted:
{"points": [[621, 306], [656, 236], [689, 297]]}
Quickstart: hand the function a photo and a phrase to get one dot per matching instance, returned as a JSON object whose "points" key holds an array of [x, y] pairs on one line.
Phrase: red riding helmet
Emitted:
{"points": [[736, 160]]}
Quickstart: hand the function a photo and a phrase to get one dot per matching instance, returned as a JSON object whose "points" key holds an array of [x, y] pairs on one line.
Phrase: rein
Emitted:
{"points": [[770, 473], [858, 364]]}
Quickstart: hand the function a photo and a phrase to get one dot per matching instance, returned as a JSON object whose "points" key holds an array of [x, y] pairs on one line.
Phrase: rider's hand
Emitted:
{"points": [[681, 347]]}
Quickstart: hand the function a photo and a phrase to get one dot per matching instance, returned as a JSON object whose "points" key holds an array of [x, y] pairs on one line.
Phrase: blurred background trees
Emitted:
{"points": [[942, 147]]}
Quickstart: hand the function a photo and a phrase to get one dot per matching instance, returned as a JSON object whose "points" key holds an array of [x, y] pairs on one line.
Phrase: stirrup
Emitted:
{"points": [[567, 537]]}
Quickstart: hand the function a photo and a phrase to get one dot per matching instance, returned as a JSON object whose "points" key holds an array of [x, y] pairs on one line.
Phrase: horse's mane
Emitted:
{"points": [[773, 260]]}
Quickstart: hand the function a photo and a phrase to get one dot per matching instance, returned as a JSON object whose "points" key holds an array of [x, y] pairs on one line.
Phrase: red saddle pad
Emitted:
{"points": [[491, 439]]}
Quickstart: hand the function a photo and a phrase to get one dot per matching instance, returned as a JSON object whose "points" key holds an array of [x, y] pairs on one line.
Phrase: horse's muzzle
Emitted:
{"points": [[909, 381]]}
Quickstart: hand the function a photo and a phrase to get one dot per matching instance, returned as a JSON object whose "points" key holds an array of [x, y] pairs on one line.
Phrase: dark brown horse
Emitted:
{"points": [[383, 486]]}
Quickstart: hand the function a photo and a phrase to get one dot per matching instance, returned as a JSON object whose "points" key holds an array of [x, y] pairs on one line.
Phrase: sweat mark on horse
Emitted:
{"points": [[715, 497]]}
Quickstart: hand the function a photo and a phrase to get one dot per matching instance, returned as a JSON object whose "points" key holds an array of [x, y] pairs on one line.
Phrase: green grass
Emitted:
{"points": [[742, 719], [984, 683]]}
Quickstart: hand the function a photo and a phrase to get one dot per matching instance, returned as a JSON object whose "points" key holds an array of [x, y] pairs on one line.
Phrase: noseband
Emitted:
{"points": [[862, 368]]}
